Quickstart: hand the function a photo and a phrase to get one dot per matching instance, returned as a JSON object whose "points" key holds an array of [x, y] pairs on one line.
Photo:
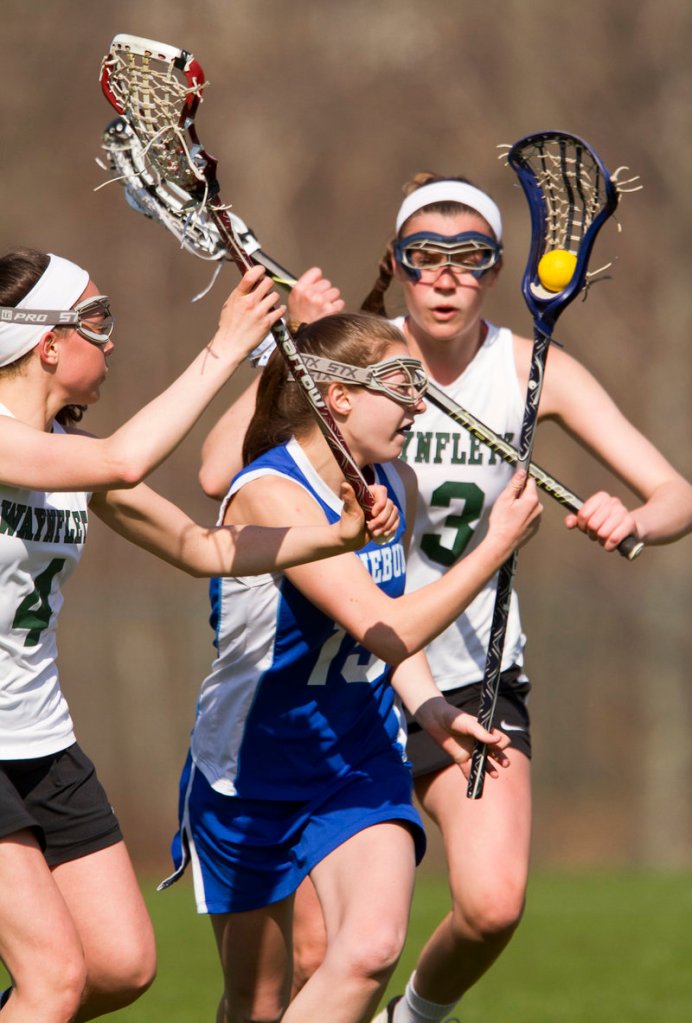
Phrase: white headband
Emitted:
{"points": [[59, 287], [451, 191]]}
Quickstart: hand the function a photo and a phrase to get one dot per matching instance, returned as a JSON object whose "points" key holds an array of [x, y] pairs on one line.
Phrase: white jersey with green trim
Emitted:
{"points": [[459, 480], [41, 540]]}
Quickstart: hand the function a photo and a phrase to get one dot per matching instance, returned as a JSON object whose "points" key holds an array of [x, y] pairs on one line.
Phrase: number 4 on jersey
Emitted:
{"points": [[34, 611]]}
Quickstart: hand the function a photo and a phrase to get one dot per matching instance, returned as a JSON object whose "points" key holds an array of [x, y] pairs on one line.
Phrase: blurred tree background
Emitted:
{"points": [[318, 111]]}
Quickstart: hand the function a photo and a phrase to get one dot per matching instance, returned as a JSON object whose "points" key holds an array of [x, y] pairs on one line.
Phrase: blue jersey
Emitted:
{"points": [[293, 702]]}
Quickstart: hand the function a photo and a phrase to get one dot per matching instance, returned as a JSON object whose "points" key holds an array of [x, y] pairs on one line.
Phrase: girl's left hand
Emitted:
{"points": [[604, 518], [456, 732]]}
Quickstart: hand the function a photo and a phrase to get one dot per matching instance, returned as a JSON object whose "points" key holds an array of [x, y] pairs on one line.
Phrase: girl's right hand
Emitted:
{"points": [[248, 314], [384, 515], [354, 530], [516, 515]]}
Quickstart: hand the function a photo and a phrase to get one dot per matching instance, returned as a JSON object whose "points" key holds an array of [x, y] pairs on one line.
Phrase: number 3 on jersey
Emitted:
{"points": [[34, 611], [472, 497]]}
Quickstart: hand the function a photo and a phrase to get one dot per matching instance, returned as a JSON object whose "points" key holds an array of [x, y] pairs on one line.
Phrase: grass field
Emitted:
{"points": [[593, 948]]}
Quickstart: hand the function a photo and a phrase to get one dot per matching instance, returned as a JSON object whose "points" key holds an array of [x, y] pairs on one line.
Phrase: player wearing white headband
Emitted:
{"points": [[75, 936], [446, 257]]}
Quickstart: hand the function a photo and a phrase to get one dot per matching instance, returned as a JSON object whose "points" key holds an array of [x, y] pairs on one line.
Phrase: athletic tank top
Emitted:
{"points": [[459, 480], [41, 540], [292, 701]]}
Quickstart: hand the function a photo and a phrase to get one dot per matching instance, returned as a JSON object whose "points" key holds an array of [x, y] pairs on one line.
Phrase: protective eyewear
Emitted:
{"points": [[427, 254], [407, 391], [92, 318]]}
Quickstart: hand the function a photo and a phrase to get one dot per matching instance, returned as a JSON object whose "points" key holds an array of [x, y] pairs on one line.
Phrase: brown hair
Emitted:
{"points": [[374, 300], [282, 410], [19, 272]]}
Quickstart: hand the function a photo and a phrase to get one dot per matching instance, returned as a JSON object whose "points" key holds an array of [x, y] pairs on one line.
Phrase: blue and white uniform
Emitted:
{"points": [[298, 742]]}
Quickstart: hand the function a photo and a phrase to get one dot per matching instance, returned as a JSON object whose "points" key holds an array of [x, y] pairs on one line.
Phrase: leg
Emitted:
{"points": [[256, 956], [365, 889], [39, 943], [106, 905], [309, 936], [487, 847]]}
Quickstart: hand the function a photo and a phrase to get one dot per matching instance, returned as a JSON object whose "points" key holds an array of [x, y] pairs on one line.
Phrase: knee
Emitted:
{"points": [[307, 957], [51, 995], [69, 994], [131, 984], [125, 977], [373, 957], [495, 917], [254, 1007]]}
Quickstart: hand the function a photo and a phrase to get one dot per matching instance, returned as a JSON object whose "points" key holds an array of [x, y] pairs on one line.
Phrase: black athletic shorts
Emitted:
{"points": [[61, 800], [511, 717]]}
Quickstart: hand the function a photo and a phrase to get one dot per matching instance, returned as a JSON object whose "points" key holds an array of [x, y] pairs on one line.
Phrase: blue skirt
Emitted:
{"points": [[249, 853]]}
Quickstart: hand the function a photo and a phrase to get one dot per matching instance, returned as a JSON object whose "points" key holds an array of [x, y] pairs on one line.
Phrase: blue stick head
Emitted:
{"points": [[571, 194]]}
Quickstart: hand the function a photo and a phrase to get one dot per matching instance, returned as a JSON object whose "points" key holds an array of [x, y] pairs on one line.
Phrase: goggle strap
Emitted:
{"points": [[55, 317], [51, 317], [327, 370]]}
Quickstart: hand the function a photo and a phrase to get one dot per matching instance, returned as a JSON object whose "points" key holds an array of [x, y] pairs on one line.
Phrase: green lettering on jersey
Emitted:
{"points": [[472, 496], [33, 614]]}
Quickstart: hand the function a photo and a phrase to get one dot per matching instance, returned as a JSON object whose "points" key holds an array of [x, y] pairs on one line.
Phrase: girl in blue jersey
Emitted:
{"points": [[74, 933], [296, 763]]}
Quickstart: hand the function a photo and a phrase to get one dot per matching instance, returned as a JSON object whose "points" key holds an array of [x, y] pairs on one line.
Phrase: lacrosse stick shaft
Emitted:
{"points": [[287, 347], [629, 548], [278, 273], [496, 644]]}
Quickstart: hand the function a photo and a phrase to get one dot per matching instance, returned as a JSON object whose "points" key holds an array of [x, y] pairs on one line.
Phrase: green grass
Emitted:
{"points": [[593, 948]]}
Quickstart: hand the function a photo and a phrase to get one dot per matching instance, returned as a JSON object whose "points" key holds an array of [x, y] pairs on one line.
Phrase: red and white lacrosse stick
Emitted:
{"points": [[157, 88]]}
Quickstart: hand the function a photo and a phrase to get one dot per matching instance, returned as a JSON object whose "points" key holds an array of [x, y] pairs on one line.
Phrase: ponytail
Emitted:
{"points": [[374, 300]]}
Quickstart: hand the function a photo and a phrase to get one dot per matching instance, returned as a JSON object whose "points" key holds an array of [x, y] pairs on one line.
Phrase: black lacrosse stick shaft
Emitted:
{"points": [[505, 580]]}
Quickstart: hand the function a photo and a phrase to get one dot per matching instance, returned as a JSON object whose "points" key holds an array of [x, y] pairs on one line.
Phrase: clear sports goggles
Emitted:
{"points": [[92, 318], [407, 391], [428, 253]]}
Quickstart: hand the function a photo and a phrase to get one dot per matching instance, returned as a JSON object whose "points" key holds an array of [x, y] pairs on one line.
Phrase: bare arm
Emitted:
{"points": [[76, 461], [573, 398], [160, 527], [223, 445], [343, 589], [312, 296]]}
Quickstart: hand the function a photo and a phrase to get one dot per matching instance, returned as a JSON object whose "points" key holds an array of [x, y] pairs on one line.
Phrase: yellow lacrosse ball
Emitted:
{"points": [[555, 269]]}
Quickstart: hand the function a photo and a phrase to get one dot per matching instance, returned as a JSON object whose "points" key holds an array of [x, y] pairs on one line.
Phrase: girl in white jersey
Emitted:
{"points": [[74, 933], [446, 256], [296, 762]]}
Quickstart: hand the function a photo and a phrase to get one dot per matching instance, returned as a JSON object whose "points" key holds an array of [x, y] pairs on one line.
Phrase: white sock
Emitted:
{"points": [[414, 1009]]}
